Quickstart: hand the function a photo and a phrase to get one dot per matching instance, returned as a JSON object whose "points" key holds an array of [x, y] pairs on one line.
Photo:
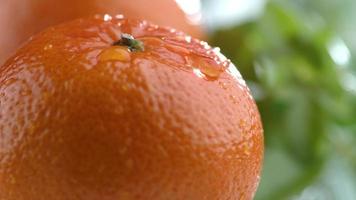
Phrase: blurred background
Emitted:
{"points": [[298, 57]]}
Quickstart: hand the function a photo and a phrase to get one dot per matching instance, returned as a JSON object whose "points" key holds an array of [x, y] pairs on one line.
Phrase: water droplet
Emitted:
{"points": [[115, 54], [232, 70], [247, 148], [216, 50], [107, 17], [205, 45], [91, 58], [208, 67], [48, 47], [178, 49], [188, 39], [152, 27], [210, 71], [87, 66], [154, 41], [223, 85], [233, 99], [242, 123], [198, 73], [120, 16]]}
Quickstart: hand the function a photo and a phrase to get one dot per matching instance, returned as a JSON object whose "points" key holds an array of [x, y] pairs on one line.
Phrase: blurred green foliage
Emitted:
{"points": [[304, 82]]}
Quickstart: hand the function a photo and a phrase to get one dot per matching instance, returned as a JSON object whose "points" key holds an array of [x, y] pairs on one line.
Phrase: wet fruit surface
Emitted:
{"points": [[82, 118], [21, 19]]}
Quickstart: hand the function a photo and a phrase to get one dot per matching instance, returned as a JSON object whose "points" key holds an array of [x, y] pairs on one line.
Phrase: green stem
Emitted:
{"points": [[129, 41]]}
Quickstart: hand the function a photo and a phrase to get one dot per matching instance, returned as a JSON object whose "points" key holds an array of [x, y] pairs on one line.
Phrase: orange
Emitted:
{"points": [[117, 109], [20, 19]]}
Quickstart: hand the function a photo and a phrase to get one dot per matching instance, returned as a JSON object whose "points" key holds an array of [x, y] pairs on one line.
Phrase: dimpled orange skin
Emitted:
{"points": [[19, 19], [81, 119]]}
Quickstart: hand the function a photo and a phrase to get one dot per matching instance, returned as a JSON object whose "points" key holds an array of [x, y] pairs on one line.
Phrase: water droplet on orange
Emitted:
{"points": [[233, 99], [246, 148], [107, 17], [178, 49], [154, 41], [223, 85], [119, 16], [198, 73], [232, 70], [115, 54], [210, 71], [206, 66], [48, 47]]}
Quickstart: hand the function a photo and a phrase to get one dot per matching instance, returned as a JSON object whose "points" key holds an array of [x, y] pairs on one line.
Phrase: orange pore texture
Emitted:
{"points": [[82, 119], [20, 19]]}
